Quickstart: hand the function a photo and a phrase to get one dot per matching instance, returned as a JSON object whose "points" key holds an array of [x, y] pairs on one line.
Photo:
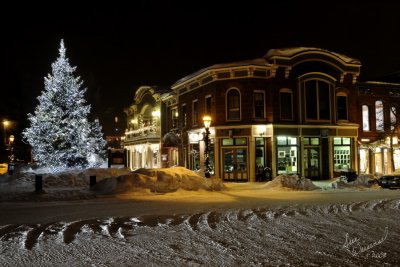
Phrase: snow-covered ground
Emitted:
{"points": [[173, 218]]}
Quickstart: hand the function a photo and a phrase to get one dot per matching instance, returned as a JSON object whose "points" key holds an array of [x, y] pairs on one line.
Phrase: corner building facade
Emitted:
{"points": [[294, 110]]}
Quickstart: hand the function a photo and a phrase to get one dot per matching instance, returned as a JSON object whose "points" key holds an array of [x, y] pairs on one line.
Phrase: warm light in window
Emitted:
{"points": [[156, 113]]}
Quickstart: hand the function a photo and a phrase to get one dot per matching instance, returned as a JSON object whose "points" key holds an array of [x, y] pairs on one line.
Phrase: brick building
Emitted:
{"points": [[295, 110]]}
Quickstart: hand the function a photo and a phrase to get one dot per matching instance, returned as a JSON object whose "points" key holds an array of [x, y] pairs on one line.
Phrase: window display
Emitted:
{"points": [[287, 154], [341, 153]]}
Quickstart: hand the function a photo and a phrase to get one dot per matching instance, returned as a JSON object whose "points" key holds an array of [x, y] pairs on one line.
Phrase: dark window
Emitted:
{"points": [[286, 105], [311, 100], [208, 105], [323, 97], [233, 104], [195, 113], [317, 100], [259, 105], [184, 115], [341, 102]]}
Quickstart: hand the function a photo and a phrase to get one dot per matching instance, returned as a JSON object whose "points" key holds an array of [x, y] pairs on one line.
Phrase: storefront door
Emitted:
{"points": [[312, 163], [235, 164]]}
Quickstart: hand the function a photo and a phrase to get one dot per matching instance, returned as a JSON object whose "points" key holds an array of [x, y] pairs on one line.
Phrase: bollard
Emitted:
{"points": [[92, 180], [11, 167], [38, 183]]}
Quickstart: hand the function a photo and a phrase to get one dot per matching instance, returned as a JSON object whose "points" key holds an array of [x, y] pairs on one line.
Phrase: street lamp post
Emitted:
{"points": [[11, 164], [207, 123], [11, 143]]}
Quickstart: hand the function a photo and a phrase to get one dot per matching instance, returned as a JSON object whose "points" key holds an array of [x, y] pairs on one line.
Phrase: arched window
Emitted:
{"points": [[233, 104], [393, 117], [341, 106], [379, 118], [365, 117], [317, 91], [317, 100], [286, 104]]}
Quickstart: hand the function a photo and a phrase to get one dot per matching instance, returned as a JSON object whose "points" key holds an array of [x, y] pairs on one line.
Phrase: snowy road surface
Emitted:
{"points": [[240, 227]]}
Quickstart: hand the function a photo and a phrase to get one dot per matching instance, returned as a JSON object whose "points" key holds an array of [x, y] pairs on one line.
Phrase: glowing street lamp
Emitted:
{"points": [[207, 123]]}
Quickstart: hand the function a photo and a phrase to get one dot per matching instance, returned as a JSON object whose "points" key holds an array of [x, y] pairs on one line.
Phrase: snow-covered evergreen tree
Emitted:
{"points": [[98, 144], [60, 134]]}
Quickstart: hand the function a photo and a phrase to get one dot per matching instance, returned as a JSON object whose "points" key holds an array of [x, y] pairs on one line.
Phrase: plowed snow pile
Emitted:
{"points": [[158, 181], [291, 182]]}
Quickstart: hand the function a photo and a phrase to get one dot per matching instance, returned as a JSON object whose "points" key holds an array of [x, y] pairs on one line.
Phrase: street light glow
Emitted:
{"points": [[207, 121]]}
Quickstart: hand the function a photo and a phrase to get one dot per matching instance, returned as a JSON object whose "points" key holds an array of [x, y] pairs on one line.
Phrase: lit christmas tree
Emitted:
{"points": [[60, 134]]}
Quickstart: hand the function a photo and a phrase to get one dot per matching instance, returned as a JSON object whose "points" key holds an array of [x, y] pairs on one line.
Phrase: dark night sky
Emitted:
{"points": [[117, 48]]}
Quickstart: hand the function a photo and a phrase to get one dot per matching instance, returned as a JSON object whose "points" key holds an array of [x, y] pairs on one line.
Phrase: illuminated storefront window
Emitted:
{"points": [[378, 160], [287, 156], [260, 152], [396, 158], [341, 153], [385, 160], [364, 160]]}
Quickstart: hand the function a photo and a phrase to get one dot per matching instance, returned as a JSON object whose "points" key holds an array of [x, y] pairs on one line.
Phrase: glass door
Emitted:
{"points": [[312, 163], [235, 164]]}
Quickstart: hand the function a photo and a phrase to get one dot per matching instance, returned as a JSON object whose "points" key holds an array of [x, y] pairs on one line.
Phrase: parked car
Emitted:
{"points": [[348, 175], [389, 181]]}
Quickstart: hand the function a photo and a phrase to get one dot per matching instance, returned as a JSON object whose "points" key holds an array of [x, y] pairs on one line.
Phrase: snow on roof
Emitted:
{"points": [[292, 51], [257, 61], [382, 83]]}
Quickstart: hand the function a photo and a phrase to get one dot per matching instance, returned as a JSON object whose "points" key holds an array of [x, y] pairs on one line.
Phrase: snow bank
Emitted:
{"points": [[158, 181], [68, 185], [293, 182], [79, 178]]}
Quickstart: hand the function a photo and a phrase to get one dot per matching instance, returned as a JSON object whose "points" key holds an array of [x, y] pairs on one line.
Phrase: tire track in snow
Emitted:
{"points": [[206, 223], [33, 235], [5, 231]]}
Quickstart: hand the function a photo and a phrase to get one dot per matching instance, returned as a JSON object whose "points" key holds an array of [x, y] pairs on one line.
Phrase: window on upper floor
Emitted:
{"points": [[365, 118], [393, 117], [259, 104], [379, 117], [184, 115], [286, 104], [317, 99], [233, 111], [341, 106], [195, 113], [208, 105], [174, 117]]}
